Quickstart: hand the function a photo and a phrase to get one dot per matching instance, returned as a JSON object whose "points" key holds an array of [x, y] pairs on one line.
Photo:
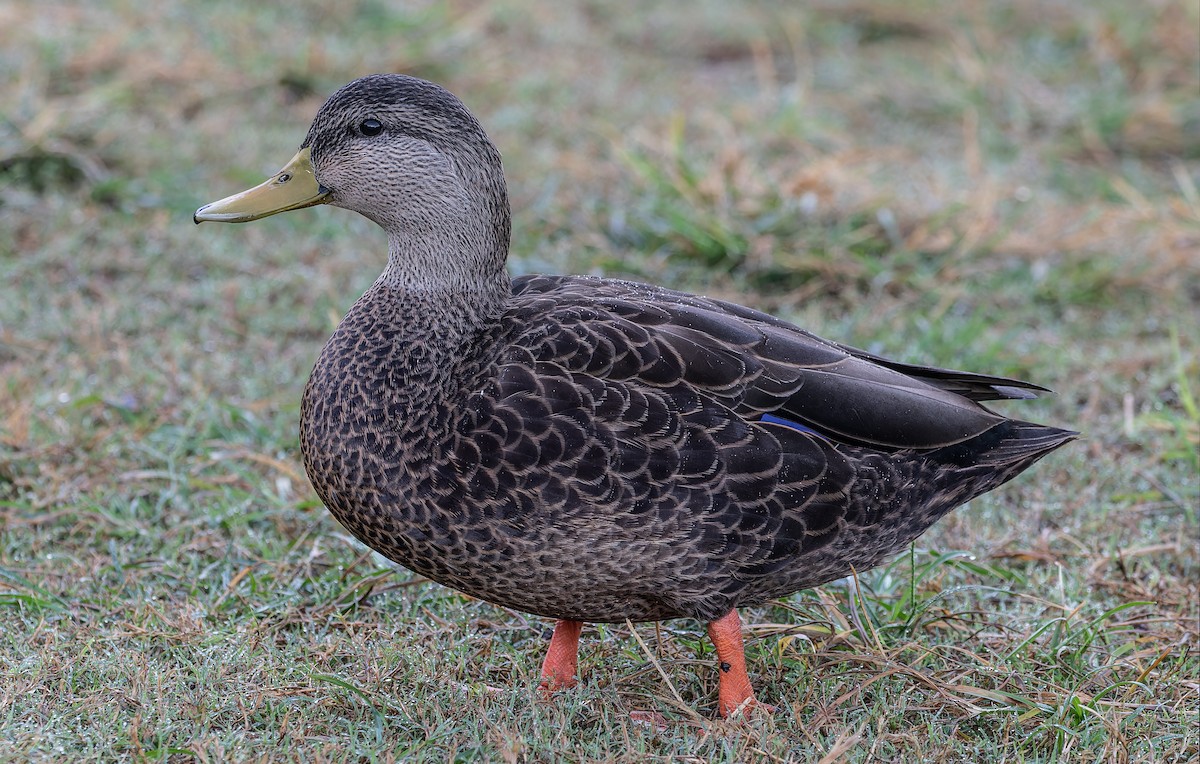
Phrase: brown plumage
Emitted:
{"points": [[589, 449]]}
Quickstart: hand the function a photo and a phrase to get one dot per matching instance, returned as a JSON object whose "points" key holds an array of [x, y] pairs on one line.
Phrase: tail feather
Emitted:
{"points": [[984, 463], [1010, 444], [1025, 443]]}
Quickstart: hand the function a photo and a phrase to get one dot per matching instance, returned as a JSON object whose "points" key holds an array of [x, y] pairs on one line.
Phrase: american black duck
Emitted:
{"points": [[588, 449]]}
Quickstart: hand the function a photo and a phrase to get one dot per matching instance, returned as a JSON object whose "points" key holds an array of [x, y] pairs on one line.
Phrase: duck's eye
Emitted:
{"points": [[371, 127]]}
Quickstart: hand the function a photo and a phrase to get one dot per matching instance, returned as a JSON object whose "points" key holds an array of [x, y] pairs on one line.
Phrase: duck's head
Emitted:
{"points": [[405, 153]]}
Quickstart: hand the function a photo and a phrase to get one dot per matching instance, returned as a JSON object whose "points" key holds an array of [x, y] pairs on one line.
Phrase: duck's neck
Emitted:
{"points": [[467, 268], [442, 294], [414, 345]]}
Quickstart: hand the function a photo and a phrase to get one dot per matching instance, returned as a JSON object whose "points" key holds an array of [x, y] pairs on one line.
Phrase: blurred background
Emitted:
{"points": [[1010, 188]]}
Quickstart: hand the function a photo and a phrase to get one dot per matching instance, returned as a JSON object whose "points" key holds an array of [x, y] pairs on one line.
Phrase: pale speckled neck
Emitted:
{"points": [[449, 260]]}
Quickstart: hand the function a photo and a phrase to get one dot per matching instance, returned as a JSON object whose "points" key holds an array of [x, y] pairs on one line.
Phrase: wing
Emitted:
{"points": [[751, 362]]}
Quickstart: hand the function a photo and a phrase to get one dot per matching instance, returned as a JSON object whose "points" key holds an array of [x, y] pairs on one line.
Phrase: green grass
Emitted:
{"points": [[1009, 188]]}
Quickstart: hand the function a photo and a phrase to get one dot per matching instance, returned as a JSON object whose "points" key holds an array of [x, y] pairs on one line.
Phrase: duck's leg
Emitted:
{"points": [[558, 669], [734, 693]]}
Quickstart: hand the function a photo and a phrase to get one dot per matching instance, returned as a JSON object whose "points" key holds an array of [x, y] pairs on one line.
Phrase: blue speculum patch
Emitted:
{"points": [[772, 419]]}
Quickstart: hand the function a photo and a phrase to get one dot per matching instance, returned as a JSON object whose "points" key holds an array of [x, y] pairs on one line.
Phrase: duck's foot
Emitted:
{"points": [[747, 709], [734, 693], [562, 658]]}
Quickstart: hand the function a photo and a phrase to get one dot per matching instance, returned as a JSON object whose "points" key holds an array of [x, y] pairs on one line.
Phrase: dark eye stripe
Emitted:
{"points": [[371, 127]]}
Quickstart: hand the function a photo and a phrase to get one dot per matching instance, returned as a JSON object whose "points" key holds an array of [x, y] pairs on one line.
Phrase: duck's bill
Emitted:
{"points": [[292, 188]]}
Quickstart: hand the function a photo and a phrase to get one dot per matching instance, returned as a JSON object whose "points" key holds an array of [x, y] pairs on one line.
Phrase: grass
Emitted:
{"points": [[1010, 188]]}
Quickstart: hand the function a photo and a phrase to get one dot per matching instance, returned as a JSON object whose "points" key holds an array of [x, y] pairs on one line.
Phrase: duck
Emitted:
{"points": [[594, 450]]}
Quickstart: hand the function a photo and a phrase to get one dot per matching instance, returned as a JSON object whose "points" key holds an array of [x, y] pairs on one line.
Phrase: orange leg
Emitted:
{"points": [[734, 693], [558, 669]]}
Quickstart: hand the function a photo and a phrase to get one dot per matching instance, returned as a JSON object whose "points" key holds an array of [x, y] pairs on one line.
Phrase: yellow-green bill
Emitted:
{"points": [[293, 187]]}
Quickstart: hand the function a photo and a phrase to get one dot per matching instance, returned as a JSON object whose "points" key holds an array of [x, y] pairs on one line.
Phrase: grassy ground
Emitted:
{"points": [[1005, 187]]}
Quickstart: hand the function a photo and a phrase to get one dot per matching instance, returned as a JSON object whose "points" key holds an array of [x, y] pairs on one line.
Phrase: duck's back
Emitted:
{"points": [[601, 452]]}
